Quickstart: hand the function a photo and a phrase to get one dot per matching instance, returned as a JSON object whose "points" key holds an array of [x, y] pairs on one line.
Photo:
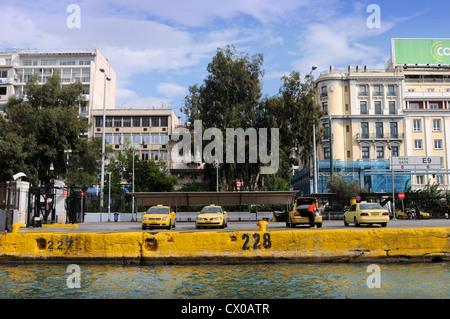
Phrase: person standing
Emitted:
{"points": [[311, 214]]}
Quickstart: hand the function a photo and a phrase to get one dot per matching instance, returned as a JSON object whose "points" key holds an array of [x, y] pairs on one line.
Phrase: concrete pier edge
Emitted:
{"points": [[209, 247]]}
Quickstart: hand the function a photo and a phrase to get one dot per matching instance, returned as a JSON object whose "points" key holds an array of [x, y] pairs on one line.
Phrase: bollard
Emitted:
{"points": [[262, 225], [16, 227]]}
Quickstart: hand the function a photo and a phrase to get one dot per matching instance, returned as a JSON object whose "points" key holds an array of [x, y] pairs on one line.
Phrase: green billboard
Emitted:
{"points": [[421, 51]]}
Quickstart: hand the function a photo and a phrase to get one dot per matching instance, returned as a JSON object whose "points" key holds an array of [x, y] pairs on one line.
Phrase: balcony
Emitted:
{"points": [[379, 137]]}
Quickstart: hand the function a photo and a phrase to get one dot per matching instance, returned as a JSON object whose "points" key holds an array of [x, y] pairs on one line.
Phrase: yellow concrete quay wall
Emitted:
{"points": [[420, 244]]}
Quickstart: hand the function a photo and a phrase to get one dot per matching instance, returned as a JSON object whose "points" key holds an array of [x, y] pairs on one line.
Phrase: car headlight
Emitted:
{"points": [[218, 218], [164, 218], [199, 218], [144, 218]]}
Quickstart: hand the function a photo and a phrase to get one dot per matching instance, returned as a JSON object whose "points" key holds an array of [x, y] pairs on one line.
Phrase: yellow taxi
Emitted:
{"points": [[366, 213], [404, 215], [159, 217], [297, 216], [211, 216]]}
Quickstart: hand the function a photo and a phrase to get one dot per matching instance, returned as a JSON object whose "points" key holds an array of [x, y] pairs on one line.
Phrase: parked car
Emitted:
{"points": [[296, 217], [366, 213], [159, 217], [211, 216]]}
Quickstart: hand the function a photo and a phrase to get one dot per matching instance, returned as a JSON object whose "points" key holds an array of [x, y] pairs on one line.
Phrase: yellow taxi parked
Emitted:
{"points": [[159, 217], [366, 213], [409, 214], [297, 215], [211, 216]]}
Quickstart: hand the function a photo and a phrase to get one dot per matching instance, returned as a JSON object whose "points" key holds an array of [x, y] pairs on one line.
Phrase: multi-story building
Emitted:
{"points": [[373, 115], [17, 67]]}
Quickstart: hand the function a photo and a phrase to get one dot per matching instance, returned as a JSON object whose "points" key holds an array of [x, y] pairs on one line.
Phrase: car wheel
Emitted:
{"points": [[383, 224], [292, 224], [345, 222], [356, 223], [287, 223], [170, 225], [319, 225]]}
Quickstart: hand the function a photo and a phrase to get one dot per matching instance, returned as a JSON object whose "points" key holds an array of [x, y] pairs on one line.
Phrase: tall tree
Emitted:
{"points": [[40, 128], [228, 98]]}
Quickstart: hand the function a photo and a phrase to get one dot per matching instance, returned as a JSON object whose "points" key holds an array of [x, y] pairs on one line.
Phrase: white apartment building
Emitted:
{"points": [[17, 67]]}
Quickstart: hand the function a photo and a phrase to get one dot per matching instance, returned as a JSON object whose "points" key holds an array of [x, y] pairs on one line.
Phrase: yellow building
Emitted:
{"points": [[375, 115]]}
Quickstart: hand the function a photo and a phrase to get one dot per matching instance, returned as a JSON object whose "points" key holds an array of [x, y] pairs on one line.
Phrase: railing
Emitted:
{"points": [[375, 136]]}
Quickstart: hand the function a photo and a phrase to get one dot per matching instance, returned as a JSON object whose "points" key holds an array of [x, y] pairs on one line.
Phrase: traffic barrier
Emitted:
{"points": [[424, 244]]}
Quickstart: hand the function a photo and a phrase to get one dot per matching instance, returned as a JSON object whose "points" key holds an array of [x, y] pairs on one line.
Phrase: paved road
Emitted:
{"points": [[251, 226]]}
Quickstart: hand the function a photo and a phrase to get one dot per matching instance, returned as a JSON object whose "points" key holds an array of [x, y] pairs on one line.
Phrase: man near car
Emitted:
{"points": [[311, 213]]}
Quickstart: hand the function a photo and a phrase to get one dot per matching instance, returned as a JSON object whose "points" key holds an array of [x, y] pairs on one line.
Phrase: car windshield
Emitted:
{"points": [[370, 206], [158, 210], [303, 207], [211, 210]]}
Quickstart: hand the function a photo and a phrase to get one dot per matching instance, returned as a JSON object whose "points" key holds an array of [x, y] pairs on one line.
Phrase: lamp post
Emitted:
{"points": [[109, 197], [392, 176], [102, 177], [315, 168]]}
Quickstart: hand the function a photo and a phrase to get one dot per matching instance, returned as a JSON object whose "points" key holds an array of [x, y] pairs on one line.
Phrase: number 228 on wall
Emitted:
{"points": [[256, 242]]}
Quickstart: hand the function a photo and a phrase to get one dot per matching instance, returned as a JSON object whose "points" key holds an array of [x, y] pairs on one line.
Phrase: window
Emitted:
{"points": [[164, 156], [379, 130], [391, 90], [434, 106], [326, 131], [380, 152], [3, 90], [420, 179], [378, 107], [323, 91], [84, 62], [117, 122], [436, 125], [67, 62], [326, 153], [393, 127], [363, 90], [394, 151], [126, 138], [98, 121], [108, 122], [377, 90], [347, 128], [440, 179], [430, 90], [391, 107], [145, 139], [365, 130], [417, 125], [136, 121], [145, 156], [164, 139], [117, 139], [3, 74], [363, 106], [418, 144], [155, 155], [136, 139], [438, 144], [365, 152], [155, 121], [48, 62], [348, 154], [127, 122], [325, 107], [146, 121], [155, 139], [164, 121], [108, 138], [413, 106], [411, 90]]}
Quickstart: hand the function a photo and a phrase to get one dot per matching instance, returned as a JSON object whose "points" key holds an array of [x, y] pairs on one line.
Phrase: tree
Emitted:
{"points": [[38, 130], [229, 98], [344, 189]]}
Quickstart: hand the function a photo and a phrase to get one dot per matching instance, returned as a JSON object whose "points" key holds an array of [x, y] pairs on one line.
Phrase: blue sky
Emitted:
{"points": [[160, 48]]}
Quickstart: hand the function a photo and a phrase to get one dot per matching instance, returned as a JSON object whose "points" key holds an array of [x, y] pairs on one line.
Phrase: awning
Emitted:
{"points": [[216, 198]]}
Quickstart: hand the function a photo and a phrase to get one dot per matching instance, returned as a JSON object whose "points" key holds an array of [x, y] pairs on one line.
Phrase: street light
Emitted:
{"points": [[102, 177], [315, 168]]}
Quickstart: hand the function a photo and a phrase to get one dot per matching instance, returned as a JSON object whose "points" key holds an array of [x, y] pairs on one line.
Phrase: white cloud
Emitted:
{"points": [[171, 90]]}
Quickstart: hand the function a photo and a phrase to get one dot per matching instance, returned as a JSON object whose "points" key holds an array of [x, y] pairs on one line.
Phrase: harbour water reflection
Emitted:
{"points": [[249, 281]]}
